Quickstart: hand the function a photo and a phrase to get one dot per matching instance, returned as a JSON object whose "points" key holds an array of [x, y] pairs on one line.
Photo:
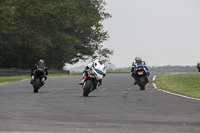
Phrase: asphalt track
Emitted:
{"points": [[116, 107]]}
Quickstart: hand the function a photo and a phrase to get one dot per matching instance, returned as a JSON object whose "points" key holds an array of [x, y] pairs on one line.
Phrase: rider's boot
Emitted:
{"points": [[32, 79], [135, 82], [147, 80], [43, 79], [94, 86], [135, 78], [83, 80], [99, 83]]}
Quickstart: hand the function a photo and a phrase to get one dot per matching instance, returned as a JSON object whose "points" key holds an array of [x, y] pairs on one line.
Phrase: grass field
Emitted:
{"points": [[185, 84]]}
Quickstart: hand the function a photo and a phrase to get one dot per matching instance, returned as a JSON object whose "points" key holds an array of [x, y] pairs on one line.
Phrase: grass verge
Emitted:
{"points": [[184, 84], [18, 78], [12, 79]]}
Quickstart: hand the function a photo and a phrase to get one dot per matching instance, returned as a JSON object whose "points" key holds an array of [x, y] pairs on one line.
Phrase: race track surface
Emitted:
{"points": [[117, 106]]}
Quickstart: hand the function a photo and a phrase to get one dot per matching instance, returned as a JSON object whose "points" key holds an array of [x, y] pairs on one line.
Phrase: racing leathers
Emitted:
{"points": [[134, 67], [85, 74], [39, 65]]}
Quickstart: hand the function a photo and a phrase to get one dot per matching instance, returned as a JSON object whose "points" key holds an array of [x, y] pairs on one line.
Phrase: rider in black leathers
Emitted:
{"points": [[41, 64], [198, 66]]}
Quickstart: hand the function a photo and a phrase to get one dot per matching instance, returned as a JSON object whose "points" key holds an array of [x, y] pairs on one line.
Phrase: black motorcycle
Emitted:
{"points": [[38, 82], [90, 83], [142, 78]]}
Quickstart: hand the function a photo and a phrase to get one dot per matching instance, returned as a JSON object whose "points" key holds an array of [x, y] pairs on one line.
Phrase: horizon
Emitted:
{"points": [[115, 67]]}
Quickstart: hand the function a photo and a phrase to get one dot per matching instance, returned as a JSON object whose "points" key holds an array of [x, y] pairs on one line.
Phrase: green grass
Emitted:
{"points": [[185, 84], [18, 78], [12, 78]]}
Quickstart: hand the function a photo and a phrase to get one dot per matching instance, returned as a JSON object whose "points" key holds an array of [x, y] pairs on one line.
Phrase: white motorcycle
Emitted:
{"points": [[96, 73]]}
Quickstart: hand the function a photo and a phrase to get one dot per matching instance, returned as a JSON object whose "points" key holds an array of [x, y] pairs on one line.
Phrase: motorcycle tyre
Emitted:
{"points": [[36, 85], [87, 88], [142, 83]]}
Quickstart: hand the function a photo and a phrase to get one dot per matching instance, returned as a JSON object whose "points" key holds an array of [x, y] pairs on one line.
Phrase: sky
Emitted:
{"points": [[161, 32]]}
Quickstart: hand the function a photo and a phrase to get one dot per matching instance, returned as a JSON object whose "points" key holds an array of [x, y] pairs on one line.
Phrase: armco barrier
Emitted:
{"points": [[19, 72]]}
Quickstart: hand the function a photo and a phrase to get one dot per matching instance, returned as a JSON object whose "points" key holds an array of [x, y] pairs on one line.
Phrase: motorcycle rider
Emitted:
{"points": [[138, 61], [198, 66], [89, 66], [40, 65]]}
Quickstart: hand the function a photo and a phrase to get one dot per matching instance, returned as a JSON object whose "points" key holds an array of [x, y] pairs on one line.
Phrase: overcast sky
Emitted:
{"points": [[162, 32]]}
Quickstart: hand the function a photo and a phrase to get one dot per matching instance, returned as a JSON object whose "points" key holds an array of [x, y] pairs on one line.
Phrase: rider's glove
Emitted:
{"points": [[148, 73]]}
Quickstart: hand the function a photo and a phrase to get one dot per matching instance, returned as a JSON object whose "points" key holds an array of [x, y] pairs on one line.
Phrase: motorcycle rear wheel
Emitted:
{"points": [[87, 88], [36, 85], [142, 83]]}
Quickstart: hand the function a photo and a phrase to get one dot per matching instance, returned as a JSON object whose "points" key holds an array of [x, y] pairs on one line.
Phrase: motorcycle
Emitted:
{"points": [[39, 78], [94, 75], [141, 75]]}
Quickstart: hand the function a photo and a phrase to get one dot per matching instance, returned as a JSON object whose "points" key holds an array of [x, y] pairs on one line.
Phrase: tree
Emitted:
{"points": [[58, 31]]}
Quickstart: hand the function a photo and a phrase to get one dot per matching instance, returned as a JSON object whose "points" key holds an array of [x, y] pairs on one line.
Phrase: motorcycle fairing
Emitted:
{"points": [[97, 70]]}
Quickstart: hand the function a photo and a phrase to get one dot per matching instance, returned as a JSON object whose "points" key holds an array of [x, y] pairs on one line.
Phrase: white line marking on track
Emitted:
{"points": [[154, 77], [4, 83], [13, 82], [173, 93], [103, 89], [124, 92], [24, 79]]}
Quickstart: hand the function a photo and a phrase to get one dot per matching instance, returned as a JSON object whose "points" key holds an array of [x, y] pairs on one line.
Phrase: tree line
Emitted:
{"points": [[58, 31]]}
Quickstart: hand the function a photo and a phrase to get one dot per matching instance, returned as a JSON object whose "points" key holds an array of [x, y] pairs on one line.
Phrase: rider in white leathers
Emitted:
{"points": [[90, 66]]}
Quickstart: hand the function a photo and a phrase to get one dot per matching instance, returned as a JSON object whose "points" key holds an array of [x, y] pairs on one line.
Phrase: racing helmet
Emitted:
{"points": [[98, 60], [138, 58], [41, 61]]}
